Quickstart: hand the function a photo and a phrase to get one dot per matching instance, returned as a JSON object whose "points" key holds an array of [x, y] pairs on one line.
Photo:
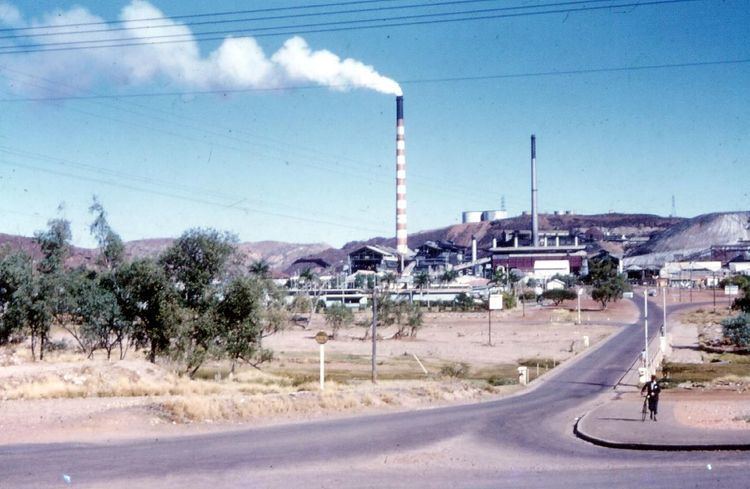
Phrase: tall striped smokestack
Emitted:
{"points": [[401, 234], [534, 216]]}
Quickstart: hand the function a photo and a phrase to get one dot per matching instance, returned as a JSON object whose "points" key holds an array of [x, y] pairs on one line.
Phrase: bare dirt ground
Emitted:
{"points": [[713, 400], [717, 409], [66, 398]]}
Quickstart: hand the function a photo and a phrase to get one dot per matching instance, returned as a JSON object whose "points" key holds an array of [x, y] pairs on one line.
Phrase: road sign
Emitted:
{"points": [[321, 337], [496, 302]]}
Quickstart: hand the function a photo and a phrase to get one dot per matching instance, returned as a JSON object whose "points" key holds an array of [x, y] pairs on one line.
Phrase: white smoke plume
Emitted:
{"points": [[238, 62], [10, 15]]}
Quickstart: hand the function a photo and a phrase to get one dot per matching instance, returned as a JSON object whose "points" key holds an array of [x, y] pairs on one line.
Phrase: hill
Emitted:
{"points": [[613, 223], [279, 255], [693, 238]]}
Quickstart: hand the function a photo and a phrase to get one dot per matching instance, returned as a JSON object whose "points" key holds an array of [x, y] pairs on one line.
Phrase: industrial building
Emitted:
{"points": [[374, 258], [438, 256]]}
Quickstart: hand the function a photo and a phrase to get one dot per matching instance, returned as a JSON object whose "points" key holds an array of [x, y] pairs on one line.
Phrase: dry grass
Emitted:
{"points": [[335, 398], [706, 317]]}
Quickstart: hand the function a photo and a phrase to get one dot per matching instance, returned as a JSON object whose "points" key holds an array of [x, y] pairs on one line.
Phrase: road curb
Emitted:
{"points": [[661, 447]]}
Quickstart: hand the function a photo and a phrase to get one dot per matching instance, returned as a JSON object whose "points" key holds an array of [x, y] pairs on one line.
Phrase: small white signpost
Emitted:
{"points": [[731, 290], [322, 338], [495, 304]]}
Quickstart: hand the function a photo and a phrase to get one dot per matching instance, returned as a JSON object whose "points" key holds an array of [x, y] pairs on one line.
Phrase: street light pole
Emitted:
{"points": [[374, 333], [645, 326]]}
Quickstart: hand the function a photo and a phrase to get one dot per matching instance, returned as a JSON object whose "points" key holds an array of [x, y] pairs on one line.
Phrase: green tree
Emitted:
{"points": [[448, 276], [148, 303], [103, 324], [389, 279], [54, 243], [248, 311], [260, 269], [16, 275], [195, 261], [608, 284], [569, 280], [49, 296], [558, 296], [338, 316], [464, 302], [111, 247]]}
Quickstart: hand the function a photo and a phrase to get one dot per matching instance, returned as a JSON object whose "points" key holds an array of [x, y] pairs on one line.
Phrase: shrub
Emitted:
{"points": [[737, 330], [455, 370], [558, 296], [529, 295], [509, 300]]}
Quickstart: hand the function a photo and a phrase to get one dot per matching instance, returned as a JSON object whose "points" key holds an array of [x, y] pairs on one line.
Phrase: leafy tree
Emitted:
{"points": [[111, 247], [422, 280], [569, 280], [34, 311], [260, 269], [558, 296], [608, 284], [448, 276], [148, 303], [743, 282], [464, 302], [54, 244], [388, 279], [500, 277], [360, 281], [414, 319], [737, 330], [195, 261], [337, 316], [49, 298], [247, 312], [15, 277], [103, 324], [509, 300]]}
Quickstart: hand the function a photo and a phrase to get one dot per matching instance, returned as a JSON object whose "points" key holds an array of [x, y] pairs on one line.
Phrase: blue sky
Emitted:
{"points": [[317, 165]]}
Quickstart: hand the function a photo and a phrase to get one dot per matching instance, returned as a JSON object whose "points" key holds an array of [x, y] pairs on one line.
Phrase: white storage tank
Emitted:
{"points": [[472, 216], [494, 215]]}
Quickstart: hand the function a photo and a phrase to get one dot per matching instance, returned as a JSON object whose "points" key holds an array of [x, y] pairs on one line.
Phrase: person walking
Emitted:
{"points": [[651, 390]]}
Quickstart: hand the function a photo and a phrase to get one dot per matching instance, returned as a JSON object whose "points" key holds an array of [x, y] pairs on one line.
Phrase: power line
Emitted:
{"points": [[292, 29], [192, 16], [328, 164], [231, 200], [189, 199], [411, 81], [259, 19]]}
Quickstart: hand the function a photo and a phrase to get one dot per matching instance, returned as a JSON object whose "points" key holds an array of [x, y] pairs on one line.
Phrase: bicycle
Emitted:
{"points": [[644, 411]]}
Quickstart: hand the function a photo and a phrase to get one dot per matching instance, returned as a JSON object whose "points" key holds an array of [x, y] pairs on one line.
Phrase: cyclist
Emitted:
{"points": [[652, 390]]}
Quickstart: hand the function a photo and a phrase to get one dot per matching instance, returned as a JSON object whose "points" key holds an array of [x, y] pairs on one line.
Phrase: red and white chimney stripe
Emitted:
{"points": [[401, 233]]}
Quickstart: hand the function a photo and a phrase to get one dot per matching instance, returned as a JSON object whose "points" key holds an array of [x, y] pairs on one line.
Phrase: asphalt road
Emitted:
{"points": [[521, 441]]}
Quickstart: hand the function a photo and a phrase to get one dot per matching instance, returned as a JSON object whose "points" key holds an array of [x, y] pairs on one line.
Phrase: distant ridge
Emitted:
{"points": [[692, 239]]}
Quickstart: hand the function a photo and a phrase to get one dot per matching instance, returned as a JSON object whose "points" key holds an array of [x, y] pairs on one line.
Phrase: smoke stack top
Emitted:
{"points": [[534, 216], [399, 107]]}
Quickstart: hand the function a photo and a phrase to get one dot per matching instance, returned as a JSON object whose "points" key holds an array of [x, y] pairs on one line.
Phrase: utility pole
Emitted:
{"points": [[645, 326], [578, 293], [374, 333], [664, 312], [714, 287]]}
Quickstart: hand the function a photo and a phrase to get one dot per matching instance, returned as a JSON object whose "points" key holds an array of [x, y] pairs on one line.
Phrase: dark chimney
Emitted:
{"points": [[534, 216]]}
